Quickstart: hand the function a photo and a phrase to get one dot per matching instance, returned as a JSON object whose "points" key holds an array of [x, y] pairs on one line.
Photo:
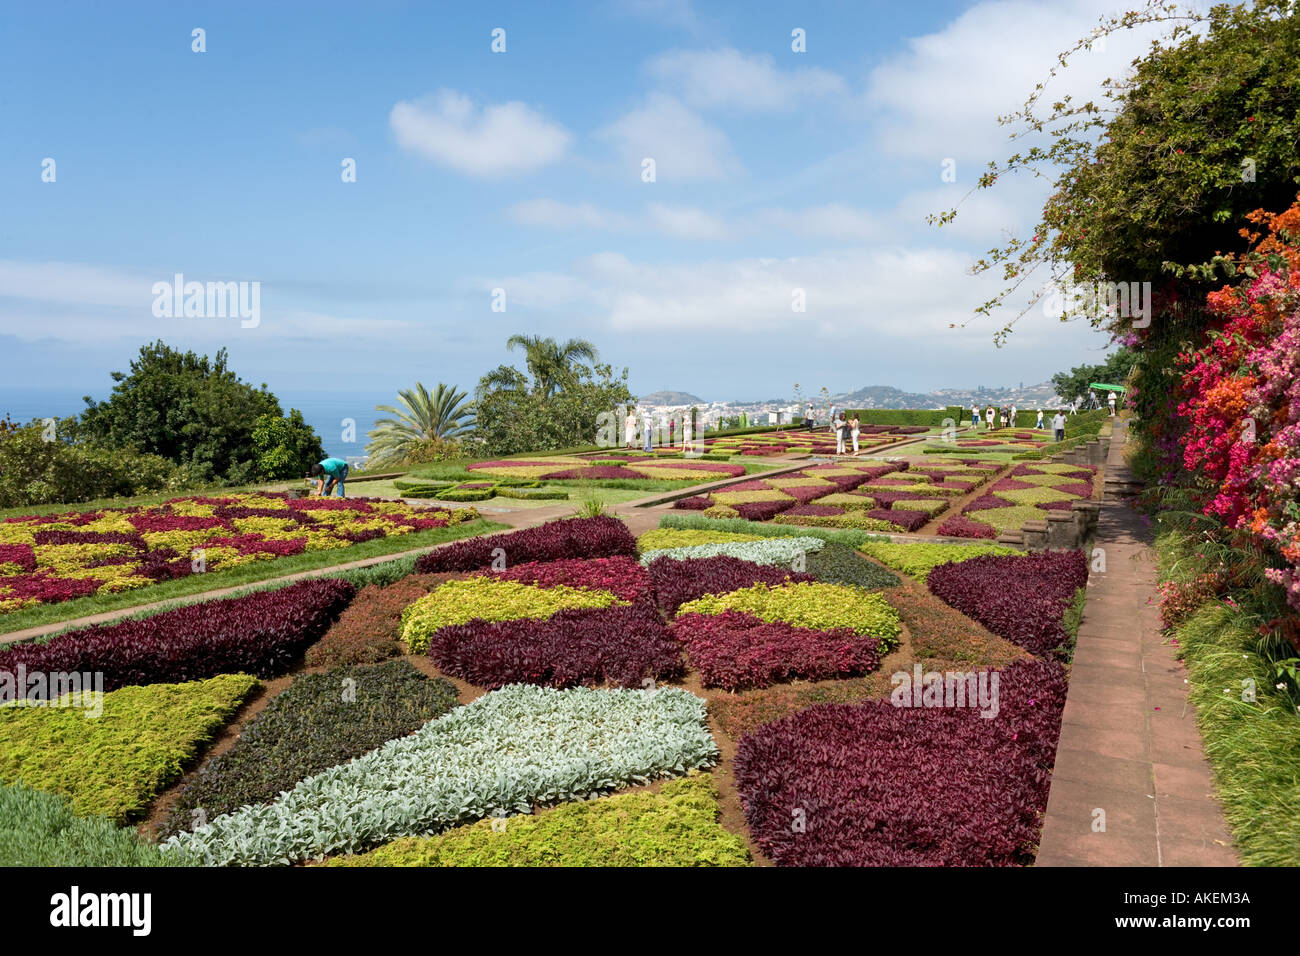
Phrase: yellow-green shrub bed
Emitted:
{"points": [[814, 605]]}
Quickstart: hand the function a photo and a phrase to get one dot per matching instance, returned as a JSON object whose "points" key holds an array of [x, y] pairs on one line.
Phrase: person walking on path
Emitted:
{"points": [[989, 415], [647, 423], [841, 427], [1012, 417], [855, 428], [337, 471], [1058, 426], [808, 417], [1111, 400], [1039, 424], [974, 415], [629, 428]]}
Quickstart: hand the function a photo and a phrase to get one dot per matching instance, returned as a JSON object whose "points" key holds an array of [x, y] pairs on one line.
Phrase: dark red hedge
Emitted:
{"points": [[734, 650], [877, 785], [598, 537], [959, 526], [676, 582], [623, 645], [907, 520], [1022, 598], [762, 510], [694, 503], [262, 634]]}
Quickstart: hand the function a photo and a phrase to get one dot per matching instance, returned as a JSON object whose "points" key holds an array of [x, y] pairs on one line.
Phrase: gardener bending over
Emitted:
{"points": [[336, 470]]}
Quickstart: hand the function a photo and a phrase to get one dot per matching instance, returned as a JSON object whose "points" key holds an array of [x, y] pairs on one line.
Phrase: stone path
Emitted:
{"points": [[1129, 742]]}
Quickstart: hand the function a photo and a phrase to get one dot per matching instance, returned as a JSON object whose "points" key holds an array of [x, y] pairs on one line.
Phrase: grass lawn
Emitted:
{"points": [[244, 574]]}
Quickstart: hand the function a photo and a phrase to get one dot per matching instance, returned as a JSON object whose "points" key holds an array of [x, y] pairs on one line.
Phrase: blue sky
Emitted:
{"points": [[522, 171]]}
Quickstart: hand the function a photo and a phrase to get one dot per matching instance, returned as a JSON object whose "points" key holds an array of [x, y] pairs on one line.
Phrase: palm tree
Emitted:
{"points": [[424, 417], [549, 362]]}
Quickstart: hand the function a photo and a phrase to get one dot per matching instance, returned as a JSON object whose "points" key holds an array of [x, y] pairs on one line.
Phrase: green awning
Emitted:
{"points": [[1109, 388]]}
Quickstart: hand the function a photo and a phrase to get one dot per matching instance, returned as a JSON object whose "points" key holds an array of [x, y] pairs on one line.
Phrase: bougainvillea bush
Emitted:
{"points": [[1022, 598], [623, 646], [509, 751], [263, 633], [321, 720], [873, 784], [598, 537], [734, 650], [57, 557]]}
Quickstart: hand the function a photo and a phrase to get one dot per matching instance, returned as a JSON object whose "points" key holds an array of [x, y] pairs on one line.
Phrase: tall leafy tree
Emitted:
{"points": [[286, 447], [551, 364], [421, 417], [1114, 371], [187, 408]]}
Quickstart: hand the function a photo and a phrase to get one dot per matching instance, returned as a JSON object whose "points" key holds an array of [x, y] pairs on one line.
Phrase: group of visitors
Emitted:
{"points": [[1004, 417], [846, 430], [645, 429]]}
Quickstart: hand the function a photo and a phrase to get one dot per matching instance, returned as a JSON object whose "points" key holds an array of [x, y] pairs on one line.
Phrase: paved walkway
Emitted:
{"points": [[1129, 742]]}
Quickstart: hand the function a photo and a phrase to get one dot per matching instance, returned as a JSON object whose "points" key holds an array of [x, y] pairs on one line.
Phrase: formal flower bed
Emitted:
{"points": [[320, 721], [263, 633], [621, 576], [1025, 494], [508, 751], [678, 580], [734, 650], [675, 826], [598, 537], [370, 630], [571, 468], [815, 605], [623, 646], [777, 551], [918, 558], [41, 829], [57, 557], [489, 599], [877, 785], [115, 763], [1021, 598]]}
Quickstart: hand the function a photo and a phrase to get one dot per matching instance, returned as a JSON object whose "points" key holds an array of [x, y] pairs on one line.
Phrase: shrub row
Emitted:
{"points": [[880, 785], [507, 751], [676, 581], [599, 537], [916, 558], [320, 721], [262, 633], [812, 605], [1022, 598]]}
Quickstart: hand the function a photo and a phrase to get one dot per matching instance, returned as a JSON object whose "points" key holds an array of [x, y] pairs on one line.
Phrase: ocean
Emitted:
{"points": [[326, 412]]}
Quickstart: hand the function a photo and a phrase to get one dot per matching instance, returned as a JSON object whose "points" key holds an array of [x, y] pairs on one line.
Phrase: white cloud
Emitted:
{"points": [[686, 222], [683, 146], [550, 214], [942, 97], [727, 78], [832, 221], [492, 141]]}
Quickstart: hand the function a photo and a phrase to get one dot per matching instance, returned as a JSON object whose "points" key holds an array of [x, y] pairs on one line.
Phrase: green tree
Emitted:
{"points": [[1114, 371], [423, 419], [512, 417], [186, 408], [551, 364], [286, 447]]}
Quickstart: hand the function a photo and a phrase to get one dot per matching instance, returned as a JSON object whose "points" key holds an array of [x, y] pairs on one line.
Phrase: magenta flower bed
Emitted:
{"points": [[734, 650], [886, 499], [1022, 598], [591, 471], [162, 522], [1081, 472], [622, 645], [599, 537], [621, 575], [1010, 484], [43, 538], [694, 503], [806, 493], [19, 554], [984, 502], [1079, 489], [1055, 505], [959, 526], [907, 520], [256, 544], [677, 581], [879, 785], [262, 634], [815, 510], [43, 587], [750, 486], [761, 510]]}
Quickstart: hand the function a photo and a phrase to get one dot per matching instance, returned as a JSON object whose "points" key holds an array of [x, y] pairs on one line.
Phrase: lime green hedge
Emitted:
{"points": [[677, 826], [814, 605], [1035, 496], [661, 538], [917, 559], [459, 602], [116, 763], [855, 519], [40, 829], [530, 494], [695, 522], [1009, 519]]}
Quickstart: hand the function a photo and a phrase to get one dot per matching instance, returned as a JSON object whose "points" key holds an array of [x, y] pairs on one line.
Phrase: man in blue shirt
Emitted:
{"points": [[336, 469]]}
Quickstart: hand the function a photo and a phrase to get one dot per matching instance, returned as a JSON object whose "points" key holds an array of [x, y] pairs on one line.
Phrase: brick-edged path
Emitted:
{"points": [[1129, 741]]}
